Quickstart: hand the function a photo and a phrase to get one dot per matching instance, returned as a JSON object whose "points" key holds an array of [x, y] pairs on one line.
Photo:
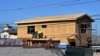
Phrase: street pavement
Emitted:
{"points": [[20, 51]]}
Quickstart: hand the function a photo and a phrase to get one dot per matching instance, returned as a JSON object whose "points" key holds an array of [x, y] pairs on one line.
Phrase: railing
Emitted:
{"points": [[41, 43]]}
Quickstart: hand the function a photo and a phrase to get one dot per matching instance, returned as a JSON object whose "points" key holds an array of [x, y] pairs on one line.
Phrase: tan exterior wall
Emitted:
{"points": [[83, 38], [22, 32], [61, 30]]}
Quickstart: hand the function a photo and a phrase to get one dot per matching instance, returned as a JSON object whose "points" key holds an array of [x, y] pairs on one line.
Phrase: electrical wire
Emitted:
{"points": [[50, 5], [97, 19], [95, 15], [3, 23], [37, 6], [82, 3]]}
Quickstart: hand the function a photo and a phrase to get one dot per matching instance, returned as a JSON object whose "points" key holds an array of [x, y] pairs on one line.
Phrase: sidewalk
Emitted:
{"points": [[96, 54]]}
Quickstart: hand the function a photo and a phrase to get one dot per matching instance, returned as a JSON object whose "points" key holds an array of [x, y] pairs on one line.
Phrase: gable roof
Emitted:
{"points": [[53, 18]]}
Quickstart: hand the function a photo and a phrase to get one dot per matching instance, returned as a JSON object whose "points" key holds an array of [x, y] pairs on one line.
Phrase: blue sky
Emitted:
{"points": [[16, 15]]}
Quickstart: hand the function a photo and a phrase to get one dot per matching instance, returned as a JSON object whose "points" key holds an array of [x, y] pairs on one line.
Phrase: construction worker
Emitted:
{"points": [[34, 34], [40, 33]]}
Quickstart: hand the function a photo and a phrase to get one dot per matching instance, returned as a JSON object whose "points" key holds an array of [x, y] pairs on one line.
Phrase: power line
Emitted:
{"points": [[95, 15], [82, 3], [4, 23], [52, 25], [97, 19], [37, 6], [51, 5]]}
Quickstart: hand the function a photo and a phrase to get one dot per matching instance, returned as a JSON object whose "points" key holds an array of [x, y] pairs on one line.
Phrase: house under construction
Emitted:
{"points": [[74, 29]]}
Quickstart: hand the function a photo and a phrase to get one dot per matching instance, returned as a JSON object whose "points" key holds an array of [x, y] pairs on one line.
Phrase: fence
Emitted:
{"points": [[10, 42]]}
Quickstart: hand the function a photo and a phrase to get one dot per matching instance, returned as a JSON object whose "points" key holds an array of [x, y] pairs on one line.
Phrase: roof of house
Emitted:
{"points": [[12, 31], [53, 18]]}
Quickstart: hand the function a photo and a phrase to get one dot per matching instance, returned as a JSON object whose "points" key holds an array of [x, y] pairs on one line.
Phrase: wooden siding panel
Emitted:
{"points": [[59, 30], [22, 32]]}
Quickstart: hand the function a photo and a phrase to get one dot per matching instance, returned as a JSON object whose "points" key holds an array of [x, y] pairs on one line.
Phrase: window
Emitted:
{"points": [[5, 36], [31, 29], [44, 26], [83, 28]]}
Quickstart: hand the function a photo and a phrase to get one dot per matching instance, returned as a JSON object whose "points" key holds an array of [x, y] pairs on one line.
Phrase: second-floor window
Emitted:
{"points": [[83, 27], [31, 29], [44, 26]]}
